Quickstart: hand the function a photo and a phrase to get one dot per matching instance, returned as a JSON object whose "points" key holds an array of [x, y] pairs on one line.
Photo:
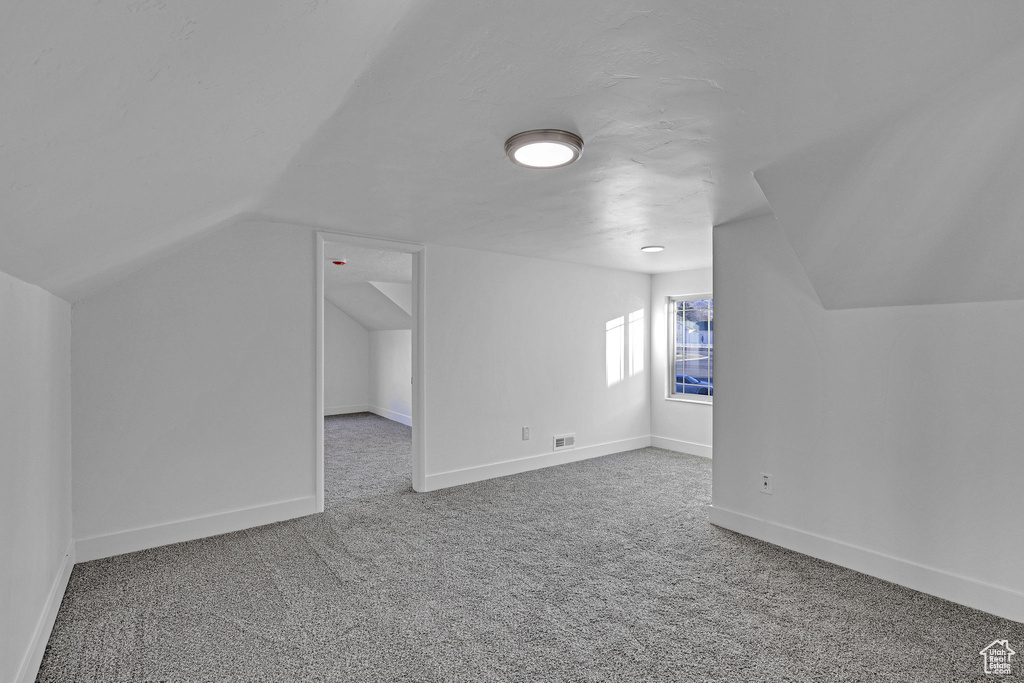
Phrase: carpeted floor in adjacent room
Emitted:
{"points": [[603, 570]]}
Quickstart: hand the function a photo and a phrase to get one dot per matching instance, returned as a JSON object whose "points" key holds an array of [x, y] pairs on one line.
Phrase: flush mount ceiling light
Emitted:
{"points": [[652, 249], [546, 148]]}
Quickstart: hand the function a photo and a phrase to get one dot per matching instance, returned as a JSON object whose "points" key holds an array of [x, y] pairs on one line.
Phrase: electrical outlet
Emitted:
{"points": [[766, 483], [526, 433]]}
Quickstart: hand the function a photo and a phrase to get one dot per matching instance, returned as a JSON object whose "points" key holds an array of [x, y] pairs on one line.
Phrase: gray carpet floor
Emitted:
{"points": [[603, 570]]}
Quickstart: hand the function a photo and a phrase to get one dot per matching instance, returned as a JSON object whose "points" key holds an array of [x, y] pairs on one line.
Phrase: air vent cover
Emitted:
{"points": [[564, 441]]}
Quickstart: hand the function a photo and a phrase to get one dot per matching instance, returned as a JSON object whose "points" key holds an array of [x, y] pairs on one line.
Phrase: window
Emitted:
{"points": [[691, 348]]}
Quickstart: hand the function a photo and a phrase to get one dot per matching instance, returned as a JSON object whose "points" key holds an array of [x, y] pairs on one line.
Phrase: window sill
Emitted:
{"points": [[676, 399]]}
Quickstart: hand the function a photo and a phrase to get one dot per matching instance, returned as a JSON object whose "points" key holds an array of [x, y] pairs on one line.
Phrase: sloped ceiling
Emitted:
{"points": [[373, 286], [399, 292], [127, 127], [926, 207], [677, 103], [370, 307]]}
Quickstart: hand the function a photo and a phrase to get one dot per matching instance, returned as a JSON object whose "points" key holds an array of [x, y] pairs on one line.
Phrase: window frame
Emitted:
{"points": [[670, 376]]}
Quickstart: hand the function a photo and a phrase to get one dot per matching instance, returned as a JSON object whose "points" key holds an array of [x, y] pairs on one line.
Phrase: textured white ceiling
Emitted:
{"points": [[677, 103], [370, 307], [374, 287], [363, 264], [127, 127], [924, 207]]}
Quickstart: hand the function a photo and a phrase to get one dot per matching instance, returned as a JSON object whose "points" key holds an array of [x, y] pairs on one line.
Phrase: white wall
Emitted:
{"points": [[194, 381], [346, 363], [390, 374], [35, 460], [678, 425], [512, 342], [194, 393], [893, 440]]}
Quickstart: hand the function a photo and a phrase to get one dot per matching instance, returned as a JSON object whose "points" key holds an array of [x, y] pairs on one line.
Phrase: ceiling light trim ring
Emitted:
{"points": [[570, 141]]}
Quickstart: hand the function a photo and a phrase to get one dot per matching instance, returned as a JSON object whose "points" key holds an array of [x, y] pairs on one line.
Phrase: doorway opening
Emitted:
{"points": [[369, 338]]}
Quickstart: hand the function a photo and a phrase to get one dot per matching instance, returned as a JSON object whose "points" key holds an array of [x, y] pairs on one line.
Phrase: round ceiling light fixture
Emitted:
{"points": [[653, 249], [545, 148]]}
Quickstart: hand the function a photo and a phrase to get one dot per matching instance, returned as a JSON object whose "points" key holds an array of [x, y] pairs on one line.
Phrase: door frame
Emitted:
{"points": [[417, 250]]}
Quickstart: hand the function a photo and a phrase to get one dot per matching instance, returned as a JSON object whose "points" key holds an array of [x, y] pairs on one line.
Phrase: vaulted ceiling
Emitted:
{"points": [[884, 135], [923, 207], [371, 286]]}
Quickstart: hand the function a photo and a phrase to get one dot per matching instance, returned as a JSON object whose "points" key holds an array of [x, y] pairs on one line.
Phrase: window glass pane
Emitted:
{"points": [[694, 347], [680, 349]]}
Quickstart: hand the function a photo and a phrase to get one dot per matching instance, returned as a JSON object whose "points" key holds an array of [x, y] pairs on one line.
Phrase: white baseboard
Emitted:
{"points": [[347, 410], [120, 542], [996, 600], [681, 446], [391, 415], [468, 475], [44, 627]]}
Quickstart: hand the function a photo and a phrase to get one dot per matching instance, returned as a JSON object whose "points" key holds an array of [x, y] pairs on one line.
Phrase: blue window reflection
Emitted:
{"points": [[694, 342]]}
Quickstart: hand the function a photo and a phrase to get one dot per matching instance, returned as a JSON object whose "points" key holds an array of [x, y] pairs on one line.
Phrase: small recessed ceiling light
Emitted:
{"points": [[652, 249], [545, 148]]}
